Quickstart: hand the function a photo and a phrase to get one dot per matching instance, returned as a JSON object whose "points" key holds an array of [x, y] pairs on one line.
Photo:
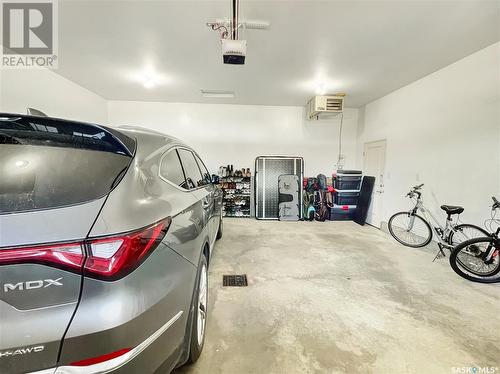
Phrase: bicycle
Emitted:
{"points": [[413, 230], [478, 259]]}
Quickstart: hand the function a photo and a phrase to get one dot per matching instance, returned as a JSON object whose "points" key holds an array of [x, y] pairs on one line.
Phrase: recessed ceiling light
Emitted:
{"points": [[320, 89], [149, 77], [217, 93], [149, 82], [321, 84]]}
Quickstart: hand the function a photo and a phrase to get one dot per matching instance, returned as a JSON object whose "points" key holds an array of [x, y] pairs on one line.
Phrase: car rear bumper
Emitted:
{"points": [[114, 363]]}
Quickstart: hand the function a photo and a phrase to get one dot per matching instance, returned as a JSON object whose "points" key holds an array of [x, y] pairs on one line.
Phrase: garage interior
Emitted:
{"points": [[419, 90]]}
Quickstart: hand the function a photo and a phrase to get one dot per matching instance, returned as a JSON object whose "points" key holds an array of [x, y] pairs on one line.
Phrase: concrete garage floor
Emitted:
{"points": [[335, 297]]}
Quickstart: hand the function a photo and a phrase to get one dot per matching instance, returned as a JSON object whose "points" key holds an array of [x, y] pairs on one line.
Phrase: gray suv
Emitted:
{"points": [[105, 239]]}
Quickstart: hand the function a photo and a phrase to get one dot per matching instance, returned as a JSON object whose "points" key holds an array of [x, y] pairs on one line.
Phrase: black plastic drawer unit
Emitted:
{"points": [[346, 197], [348, 180]]}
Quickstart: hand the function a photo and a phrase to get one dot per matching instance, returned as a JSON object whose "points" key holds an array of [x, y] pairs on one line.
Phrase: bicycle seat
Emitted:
{"points": [[452, 209]]}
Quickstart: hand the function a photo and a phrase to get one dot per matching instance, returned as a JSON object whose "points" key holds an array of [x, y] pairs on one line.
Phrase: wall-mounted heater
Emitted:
{"points": [[325, 105]]}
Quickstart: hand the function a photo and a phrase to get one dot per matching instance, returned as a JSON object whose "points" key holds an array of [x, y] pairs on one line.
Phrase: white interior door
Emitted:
{"points": [[374, 165]]}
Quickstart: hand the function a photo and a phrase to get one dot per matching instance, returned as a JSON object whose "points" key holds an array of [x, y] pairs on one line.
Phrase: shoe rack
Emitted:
{"points": [[236, 187]]}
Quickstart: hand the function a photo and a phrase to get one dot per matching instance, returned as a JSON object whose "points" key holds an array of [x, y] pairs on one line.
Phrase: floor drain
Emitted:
{"points": [[234, 280]]}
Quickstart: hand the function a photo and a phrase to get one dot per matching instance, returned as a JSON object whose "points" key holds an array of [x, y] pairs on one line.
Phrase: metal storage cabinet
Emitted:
{"points": [[267, 171]]}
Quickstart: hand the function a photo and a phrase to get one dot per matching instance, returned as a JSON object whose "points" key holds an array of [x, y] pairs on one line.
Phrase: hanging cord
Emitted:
{"points": [[340, 140], [223, 31]]}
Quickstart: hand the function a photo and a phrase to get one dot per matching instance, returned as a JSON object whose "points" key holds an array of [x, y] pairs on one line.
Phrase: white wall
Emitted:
{"points": [[237, 134], [51, 93], [442, 130]]}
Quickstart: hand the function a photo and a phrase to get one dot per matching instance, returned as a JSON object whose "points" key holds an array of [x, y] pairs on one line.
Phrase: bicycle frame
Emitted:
{"points": [[442, 233], [492, 248], [494, 244]]}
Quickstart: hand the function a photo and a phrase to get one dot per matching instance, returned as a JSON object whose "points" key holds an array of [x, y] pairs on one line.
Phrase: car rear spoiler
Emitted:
{"points": [[124, 143]]}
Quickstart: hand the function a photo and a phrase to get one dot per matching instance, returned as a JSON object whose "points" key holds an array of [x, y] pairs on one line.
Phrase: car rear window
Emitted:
{"points": [[47, 163]]}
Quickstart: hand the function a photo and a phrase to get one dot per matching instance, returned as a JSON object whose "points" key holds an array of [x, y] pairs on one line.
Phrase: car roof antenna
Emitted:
{"points": [[35, 112]]}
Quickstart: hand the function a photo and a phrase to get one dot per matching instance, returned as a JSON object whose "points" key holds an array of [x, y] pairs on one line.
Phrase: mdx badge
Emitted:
{"points": [[31, 285]]}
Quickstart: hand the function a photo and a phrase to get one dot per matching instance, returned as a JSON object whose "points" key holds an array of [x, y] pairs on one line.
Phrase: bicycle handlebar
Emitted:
{"points": [[496, 203], [415, 191]]}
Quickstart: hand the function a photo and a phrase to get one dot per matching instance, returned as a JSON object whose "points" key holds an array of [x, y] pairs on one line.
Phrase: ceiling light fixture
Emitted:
{"points": [[217, 93], [148, 77], [149, 83], [320, 89]]}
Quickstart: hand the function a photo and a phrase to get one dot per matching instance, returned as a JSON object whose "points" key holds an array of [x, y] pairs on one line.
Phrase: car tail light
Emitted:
{"points": [[101, 359], [113, 257], [62, 255], [107, 258]]}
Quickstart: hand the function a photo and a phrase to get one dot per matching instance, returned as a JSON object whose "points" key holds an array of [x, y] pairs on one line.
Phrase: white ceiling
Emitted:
{"points": [[364, 48]]}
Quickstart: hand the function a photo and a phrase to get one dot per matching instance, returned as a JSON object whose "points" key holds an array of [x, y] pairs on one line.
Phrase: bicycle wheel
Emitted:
{"points": [[468, 259], [410, 229], [465, 232]]}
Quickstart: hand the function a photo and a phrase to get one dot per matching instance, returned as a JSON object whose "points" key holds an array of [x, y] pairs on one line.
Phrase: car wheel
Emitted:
{"points": [[219, 232], [199, 313]]}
